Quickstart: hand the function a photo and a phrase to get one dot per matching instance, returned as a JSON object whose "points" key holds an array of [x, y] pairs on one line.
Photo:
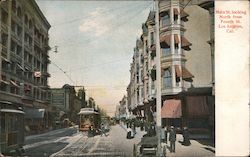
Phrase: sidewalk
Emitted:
{"points": [[195, 149]]}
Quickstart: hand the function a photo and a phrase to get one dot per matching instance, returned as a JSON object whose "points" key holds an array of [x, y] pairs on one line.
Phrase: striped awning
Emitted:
{"points": [[165, 41], [171, 109]]}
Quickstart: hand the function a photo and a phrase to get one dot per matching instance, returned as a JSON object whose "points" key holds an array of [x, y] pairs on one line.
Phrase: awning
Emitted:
{"points": [[5, 102], [197, 106], [11, 111], [6, 60], [34, 112], [20, 67], [184, 15], [186, 75], [171, 109], [176, 39], [185, 43], [165, 41], [152, 48], [5, 82], [164, 13], [183, 72], [13, 83]]}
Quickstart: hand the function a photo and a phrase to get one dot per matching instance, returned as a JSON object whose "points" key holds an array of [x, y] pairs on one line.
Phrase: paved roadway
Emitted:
{"points": [[69, 142]]}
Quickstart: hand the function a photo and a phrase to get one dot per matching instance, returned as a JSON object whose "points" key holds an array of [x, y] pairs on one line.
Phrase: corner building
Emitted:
{"points": [[24, 68]]}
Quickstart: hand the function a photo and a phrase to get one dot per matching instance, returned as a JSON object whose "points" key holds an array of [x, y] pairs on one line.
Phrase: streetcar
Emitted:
{"points": [[89, 118]]}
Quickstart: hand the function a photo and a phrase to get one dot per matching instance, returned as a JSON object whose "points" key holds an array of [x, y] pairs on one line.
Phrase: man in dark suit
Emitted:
{"points": [[172, 139]]}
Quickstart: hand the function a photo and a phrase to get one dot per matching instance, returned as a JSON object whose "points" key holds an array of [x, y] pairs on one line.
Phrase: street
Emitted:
{"points": [[69, 142]]}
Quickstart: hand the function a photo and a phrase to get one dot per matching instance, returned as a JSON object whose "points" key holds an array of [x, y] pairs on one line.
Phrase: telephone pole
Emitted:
{"points": [[158, 79]]}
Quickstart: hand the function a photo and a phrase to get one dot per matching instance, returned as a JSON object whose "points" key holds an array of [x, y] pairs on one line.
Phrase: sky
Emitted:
{"points": [[95, 42]]}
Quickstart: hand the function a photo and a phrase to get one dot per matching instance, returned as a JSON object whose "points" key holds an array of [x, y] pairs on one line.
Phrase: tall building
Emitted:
{"points": [[23, 67], [67, 102], [123, 108], [186, 65]]}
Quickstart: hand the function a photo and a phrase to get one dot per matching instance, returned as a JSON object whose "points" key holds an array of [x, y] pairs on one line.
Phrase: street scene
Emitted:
{"points": [[69, 142], [107, 78]]}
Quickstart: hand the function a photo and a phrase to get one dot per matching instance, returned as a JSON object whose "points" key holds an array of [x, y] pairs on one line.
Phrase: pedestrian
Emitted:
{"points": [[102, 129], [129, 133], [172, 139], [185, 134], [134, 129], [166, 134]]}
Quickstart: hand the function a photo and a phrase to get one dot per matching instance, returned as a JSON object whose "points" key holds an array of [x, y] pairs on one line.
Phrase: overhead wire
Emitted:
{"points": [[115, 28], [65, 72]]}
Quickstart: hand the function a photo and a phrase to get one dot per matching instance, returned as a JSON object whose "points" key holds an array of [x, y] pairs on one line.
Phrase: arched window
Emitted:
{"points": [[26, 20], [19, 12], [167, 78], [30, 24], [14, 6]]}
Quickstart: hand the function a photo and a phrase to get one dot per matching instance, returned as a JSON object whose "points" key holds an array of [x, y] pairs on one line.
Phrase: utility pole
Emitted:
{"points": [[158, 79]]}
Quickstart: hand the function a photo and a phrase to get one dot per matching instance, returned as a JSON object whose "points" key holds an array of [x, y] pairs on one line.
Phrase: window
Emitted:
{"points": [[5, 66], [30, 58], [13, 88], [4, 17], [167, 79], [19, 12], [19, 50], [13, 46], [176, 46], [25, 56], [19, 31], [14, 6], [4, 39], [30, 41], [166, 52], [30, 24], [26, 20], [165, 20], [13, 26], [4, 84], [13, 67], [152, 38]]}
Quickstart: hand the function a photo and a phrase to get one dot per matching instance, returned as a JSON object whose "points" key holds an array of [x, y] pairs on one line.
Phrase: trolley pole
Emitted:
{"points": [[158, 79]]}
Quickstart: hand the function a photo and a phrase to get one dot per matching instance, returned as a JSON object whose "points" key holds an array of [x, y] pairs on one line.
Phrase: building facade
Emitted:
{"points": [[186, 65], [67, 103], [23, 67]]}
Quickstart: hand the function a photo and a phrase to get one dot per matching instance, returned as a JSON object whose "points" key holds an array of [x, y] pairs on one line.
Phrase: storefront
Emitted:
{"points": [[35, 120], [12, 128]]}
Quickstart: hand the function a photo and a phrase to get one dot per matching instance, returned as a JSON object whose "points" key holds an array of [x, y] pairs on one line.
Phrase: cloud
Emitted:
{"points": [[97, 23]]}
